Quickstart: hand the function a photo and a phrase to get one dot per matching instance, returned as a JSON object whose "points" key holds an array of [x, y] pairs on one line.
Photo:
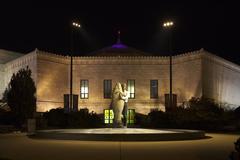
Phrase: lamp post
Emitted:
{"points": [[168, 25], [74, 25]]}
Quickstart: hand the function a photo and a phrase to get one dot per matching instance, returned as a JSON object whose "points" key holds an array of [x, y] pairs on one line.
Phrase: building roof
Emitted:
{"points": [[6, 56], [118, 49]]}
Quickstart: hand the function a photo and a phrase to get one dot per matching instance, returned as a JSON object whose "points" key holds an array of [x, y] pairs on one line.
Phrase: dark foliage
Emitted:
{"points": [[202, 114], [237, 145], [237, 112], [80, 119], [235, 155], [141, 120], [6, 118], [20, 96]]}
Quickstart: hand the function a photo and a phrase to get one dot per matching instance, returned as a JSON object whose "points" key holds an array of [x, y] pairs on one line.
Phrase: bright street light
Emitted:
{"points": [[76, 24], [168, 24]]}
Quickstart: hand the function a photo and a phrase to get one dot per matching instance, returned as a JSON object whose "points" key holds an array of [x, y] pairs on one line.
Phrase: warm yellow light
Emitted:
{"points": [[168, 24], [76, 24]]}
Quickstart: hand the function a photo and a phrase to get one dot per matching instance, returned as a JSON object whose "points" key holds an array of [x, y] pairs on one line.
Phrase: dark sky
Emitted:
{"points": [[211, 25]]}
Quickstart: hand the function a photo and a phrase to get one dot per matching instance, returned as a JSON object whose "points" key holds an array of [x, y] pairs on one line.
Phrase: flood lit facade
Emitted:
{"points": [[195, 74]]}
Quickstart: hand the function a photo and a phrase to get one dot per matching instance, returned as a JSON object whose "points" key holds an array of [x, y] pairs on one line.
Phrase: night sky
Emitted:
{"points": [[213, 26]]}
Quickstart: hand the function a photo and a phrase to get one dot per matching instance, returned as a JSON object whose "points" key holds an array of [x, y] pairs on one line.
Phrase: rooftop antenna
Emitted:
{"points": [[119, 43]]}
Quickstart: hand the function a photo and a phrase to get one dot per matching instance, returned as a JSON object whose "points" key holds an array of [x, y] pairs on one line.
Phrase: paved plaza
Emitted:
{"points": [[20, 147]]}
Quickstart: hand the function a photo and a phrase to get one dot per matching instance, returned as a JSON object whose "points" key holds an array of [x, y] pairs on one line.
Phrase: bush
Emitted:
{"points": [[237, 112], [205, 105], [6, 118], [80, 119], [237, 145], [141, 120], [201, 114], [56, 117]]}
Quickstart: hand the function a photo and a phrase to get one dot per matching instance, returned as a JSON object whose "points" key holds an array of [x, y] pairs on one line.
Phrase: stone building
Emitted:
{"points": [[195, 74]]}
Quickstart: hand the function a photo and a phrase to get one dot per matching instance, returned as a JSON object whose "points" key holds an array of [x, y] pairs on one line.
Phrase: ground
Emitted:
{"points": [[20, 147]]}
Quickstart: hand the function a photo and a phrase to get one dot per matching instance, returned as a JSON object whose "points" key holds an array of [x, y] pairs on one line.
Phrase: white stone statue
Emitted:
{"points": [[117, 104], [125, 97]]}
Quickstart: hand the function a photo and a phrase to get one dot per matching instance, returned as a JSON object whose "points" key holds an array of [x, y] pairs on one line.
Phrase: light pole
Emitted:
{"points": [[168, 25], [74, 25]]}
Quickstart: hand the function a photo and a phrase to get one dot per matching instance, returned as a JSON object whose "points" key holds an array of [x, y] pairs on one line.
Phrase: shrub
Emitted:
{"points": [[201, 114], [56, 117], [237, 145], [6, 118], [80, 119], [141, 120]]}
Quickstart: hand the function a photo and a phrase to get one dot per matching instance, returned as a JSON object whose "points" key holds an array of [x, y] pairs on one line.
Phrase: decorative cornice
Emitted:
{"points": [[113, 60], [25, 59], [221, 61], [132, 60], [40, 52], [116, 57]]}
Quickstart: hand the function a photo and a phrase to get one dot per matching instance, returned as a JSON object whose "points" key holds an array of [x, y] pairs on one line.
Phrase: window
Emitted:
{"points": [[108, 116], [84, 90], [153, 88], [131, 88], [107, 88], [131, 116]]}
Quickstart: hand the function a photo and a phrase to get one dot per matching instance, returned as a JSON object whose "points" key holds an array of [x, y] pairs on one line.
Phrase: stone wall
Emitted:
{"points": [[186, 69], [221, 80], [5, 57], [15, 65], [187, 76], [142, 74], [194, 74], [53, 80]]}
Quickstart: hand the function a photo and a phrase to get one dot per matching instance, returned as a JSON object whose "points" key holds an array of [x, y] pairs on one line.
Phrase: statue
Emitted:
{"points": [[117, 104], [125, 108]]}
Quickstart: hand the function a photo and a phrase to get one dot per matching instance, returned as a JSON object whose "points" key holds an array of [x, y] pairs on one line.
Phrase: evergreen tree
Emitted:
{"points": [[20, 96]]}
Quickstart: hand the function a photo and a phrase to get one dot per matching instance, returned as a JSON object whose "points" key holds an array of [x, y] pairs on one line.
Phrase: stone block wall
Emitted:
{"points": [[186, 79], [52, 80], [187, 76], [194, 74], [14, 66], [221, 80]]}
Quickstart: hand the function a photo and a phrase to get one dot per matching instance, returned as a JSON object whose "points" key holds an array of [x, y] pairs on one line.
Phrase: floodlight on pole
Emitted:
{"points": [[74, 25], [169, 25]]}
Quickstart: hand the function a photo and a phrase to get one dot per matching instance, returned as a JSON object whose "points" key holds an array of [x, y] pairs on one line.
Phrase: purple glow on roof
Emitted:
{"points": [[119, 45]]}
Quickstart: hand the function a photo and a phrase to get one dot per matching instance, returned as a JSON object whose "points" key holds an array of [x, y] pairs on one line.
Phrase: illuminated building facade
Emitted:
{"points": [[195, 74]]}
